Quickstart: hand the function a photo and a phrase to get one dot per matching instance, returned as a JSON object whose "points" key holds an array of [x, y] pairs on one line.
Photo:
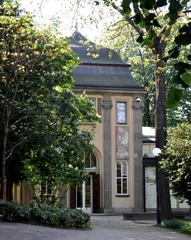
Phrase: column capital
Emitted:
{"points": [[107, 104]]}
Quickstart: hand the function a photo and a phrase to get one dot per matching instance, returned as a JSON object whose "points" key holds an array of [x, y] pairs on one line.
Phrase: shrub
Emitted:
{"points": [[12, 211], [62, 217], [44, 214], [174, 223]]}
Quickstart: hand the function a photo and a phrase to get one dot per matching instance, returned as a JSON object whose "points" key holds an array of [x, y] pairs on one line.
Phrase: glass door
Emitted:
{"points": [[84, 195]]}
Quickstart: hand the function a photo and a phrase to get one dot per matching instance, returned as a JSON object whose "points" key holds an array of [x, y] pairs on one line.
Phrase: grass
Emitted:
{"points": [[182, 226]]}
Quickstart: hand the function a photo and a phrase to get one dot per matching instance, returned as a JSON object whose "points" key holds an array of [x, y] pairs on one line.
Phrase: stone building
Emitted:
{"points": [[115, 182], [122, 169]]}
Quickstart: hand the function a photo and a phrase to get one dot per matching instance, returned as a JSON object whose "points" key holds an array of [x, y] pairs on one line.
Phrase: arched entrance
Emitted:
{"points": [[87, 196]]}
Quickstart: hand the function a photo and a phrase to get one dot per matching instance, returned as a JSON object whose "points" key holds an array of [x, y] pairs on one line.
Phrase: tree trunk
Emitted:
{"points": [[3, 176], [9, 189], [160, 126], [147, 118]]}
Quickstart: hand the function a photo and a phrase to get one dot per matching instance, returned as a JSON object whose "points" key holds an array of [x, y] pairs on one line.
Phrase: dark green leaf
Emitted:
{"points": [[174, 53], [174, 96], [137, 18], [152, 34], [185, 28], [140, 38], [189, 57], [148, 42], [160, 3], [156, 23], [150, 17], [148, 4], [186, 77], [183, 39], [181, 67], [126, 6], [175, 6]]}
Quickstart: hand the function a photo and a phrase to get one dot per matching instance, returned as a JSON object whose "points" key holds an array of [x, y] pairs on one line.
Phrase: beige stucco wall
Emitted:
{"points": [[122, 202], [148, 147]]}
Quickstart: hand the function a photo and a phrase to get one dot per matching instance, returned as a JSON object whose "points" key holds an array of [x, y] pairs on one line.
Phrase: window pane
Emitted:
{"points": [[43, 188], [119, 186], [121, 117], [121, 106], [88, 192], [93, 161], [79, 197], [118, 169], [124, 169], [49, 188], [99, 108], [121, 112], [87, 161], [125, 186]]}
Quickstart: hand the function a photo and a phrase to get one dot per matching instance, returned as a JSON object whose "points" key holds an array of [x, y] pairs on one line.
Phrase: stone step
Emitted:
{"points": [[139, 216]]}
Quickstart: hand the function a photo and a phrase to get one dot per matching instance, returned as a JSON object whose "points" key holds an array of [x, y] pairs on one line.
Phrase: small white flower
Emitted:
{"points": [[70, 166], [76, 168]]}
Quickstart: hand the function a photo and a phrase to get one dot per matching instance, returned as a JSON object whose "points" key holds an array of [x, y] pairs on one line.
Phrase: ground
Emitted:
{"points": [[103, 228]]}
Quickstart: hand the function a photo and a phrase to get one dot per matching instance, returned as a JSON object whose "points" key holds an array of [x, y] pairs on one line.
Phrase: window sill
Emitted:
{"points": [[122, 195]]}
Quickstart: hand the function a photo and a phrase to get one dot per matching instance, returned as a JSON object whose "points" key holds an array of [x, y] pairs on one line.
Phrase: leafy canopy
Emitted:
{"points": [[176, 160], [38, 109]]}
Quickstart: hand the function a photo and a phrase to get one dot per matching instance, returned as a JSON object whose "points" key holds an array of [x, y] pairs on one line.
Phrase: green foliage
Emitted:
{"points": [[38, 109], [174, 223], [15, 212], [176, 160], [45, 215], [149, 19], [143, 66], [183, 226]]}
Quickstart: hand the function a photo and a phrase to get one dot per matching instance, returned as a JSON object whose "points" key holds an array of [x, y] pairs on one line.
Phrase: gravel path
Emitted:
{"points": [[103, 228]]}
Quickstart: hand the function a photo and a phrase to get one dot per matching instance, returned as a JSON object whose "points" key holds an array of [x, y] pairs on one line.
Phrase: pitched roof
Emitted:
{"points": [[100, 68]]}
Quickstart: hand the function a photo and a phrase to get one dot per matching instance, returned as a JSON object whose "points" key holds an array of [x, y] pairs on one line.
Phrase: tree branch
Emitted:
{"points": [[128, 19], [10, 152]]}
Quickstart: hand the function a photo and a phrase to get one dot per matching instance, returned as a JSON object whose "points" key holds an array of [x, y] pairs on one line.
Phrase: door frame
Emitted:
{"points": [[83, 185]]}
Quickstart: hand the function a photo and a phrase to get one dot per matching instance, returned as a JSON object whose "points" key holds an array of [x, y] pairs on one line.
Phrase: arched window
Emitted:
{"points": [[90, 161]]}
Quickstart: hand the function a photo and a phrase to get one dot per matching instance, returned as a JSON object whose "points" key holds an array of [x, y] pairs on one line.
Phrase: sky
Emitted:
{"points": [[69, 16]]}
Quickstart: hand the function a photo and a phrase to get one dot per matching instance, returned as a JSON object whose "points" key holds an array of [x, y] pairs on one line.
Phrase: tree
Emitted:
{"points": [[37, 107], [142, 68], [153, 24], [176, 159], [141, 60]]}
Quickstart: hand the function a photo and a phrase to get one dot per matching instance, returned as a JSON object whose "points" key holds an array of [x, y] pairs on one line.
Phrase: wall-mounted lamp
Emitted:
{"points": [[138, 99]]}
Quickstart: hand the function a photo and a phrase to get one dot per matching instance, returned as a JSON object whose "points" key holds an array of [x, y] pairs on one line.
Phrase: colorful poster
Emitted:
{"points": [[121, 143]]}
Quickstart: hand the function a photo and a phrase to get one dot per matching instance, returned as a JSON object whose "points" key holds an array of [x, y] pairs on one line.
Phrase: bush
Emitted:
{"points": [[12, 211], [44, 214], [62, 217], [174, 223]]}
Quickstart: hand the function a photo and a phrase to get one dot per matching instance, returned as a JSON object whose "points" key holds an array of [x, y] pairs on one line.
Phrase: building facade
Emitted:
{"points": [[115, 169]]}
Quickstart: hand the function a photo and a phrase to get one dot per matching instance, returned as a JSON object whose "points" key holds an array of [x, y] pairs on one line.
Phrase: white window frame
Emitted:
{"points": [[90, 161], [124, 111], [46, 193], [124, 176]]}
